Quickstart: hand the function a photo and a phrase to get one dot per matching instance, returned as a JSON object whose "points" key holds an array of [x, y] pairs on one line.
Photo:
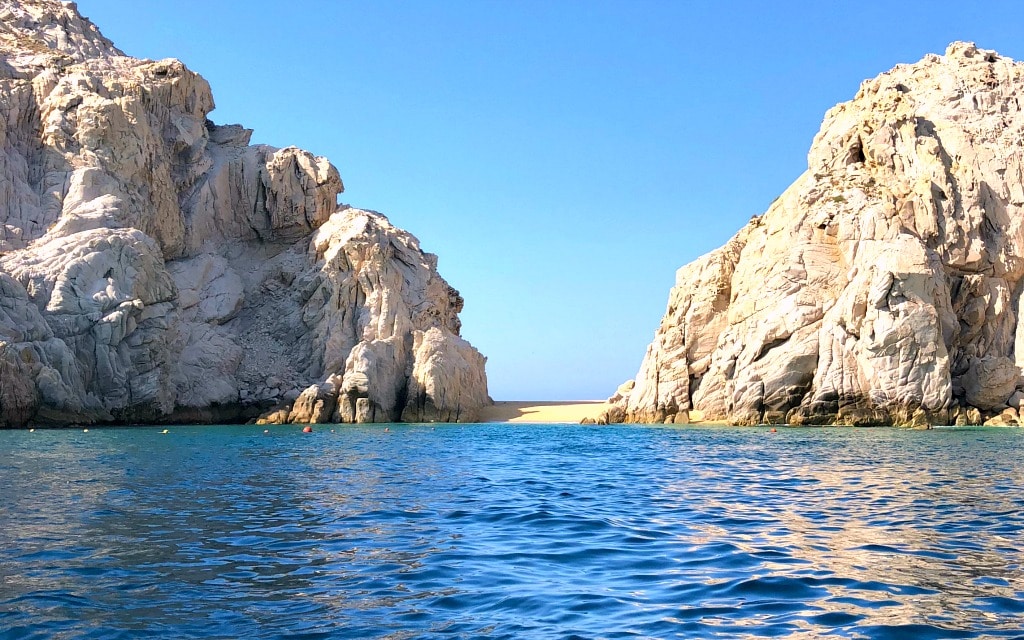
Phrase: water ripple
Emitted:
{"points": [[512, 532]]}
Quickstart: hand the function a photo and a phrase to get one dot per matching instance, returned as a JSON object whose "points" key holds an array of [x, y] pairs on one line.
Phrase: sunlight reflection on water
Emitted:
{"points": [[511, 531]]}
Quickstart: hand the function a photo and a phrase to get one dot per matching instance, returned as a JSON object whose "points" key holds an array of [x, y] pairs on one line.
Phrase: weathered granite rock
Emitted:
{"points": [[316, 403], [883, 286], [433, 392], [154, 266]]}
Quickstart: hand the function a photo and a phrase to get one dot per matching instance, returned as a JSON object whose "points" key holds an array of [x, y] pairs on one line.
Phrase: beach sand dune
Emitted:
{"points": [[542, 412]]}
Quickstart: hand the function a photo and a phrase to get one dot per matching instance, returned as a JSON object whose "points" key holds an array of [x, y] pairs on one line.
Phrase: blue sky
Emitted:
{"points": [[563, 158]]}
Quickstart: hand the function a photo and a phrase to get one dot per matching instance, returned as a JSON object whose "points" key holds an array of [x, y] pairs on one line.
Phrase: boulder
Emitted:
{"points": [[989, 382], [315, 404]]}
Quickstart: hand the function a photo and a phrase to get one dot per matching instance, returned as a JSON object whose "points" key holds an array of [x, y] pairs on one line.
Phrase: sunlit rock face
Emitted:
{"points": [[883, 286], [155, 266]]}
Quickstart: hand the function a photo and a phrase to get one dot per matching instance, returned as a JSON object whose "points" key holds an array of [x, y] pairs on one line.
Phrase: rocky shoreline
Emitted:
{"points": [[156, 267]]}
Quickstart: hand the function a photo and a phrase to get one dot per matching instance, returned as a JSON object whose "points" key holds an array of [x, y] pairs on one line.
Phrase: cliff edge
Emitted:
{"points": [[882, 287], [155, 266]]}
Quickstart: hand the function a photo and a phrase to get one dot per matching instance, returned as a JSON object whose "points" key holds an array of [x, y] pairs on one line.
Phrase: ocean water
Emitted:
{"points": [[511, 531]]}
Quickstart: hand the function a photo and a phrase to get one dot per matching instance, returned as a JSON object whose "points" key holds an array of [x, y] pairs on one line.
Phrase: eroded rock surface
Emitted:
{"points": [[883, 286], [155, 266]]}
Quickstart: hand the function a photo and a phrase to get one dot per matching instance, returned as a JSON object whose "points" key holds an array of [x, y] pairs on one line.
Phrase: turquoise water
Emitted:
{"points": [[511, 531]]}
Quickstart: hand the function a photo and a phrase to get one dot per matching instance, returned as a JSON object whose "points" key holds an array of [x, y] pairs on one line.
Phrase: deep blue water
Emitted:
{"points": [[511, 531]]}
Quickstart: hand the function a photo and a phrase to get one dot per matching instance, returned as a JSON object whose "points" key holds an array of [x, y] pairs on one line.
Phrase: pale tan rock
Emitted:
{"points": [[39, 34], [274, 416], [447, 382], [154, 265], [622, 393], [989, 382], [1002, 420], [880, 287], [315, 404], [386, 323]]}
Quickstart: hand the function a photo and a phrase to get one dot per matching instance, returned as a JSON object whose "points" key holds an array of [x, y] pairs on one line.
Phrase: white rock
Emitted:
{"points": [[447, 382], [881, 286], [153, 262]]}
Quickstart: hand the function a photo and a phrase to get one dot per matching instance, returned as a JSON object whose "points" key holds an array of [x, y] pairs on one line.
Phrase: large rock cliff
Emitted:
{"points": [[155, 267], [883, 286]]}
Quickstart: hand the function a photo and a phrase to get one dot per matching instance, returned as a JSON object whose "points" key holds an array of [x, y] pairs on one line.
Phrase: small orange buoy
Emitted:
{"points": [[307, 429], [773, 430]]}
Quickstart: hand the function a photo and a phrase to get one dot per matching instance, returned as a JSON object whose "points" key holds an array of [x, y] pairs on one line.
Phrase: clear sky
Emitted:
{"points": [[562, 157]]}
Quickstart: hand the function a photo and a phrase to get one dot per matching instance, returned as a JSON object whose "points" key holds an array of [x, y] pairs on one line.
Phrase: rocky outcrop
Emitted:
{"points": [[883, 286], [155, 266]]}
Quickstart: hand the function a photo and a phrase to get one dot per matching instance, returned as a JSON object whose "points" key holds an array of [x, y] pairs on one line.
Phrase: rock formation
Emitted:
{"points": [[156, 267], [883, 286]]}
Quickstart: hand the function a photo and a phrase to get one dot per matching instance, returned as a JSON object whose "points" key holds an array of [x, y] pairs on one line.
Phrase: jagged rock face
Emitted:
{"points": [[155, 266], [883, 286]]}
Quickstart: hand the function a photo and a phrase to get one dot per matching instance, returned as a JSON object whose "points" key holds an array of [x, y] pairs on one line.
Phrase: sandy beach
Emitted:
{"points": [[560, 411], [543, 412]]}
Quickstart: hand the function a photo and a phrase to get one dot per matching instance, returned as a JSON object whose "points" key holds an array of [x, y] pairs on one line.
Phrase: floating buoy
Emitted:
{"points": [[266, 431], [164, 431], [773, 430], [307, 429], [85, 431], [332, 430]]}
